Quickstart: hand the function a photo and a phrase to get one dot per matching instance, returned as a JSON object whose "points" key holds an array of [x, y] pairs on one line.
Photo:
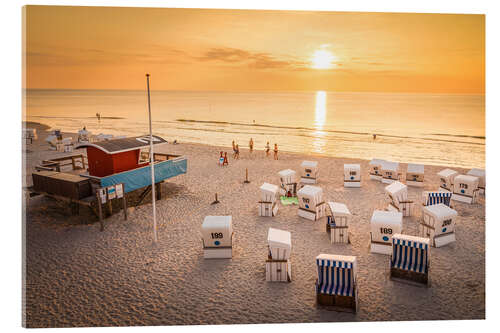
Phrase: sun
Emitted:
{"points": [[322, 59]]}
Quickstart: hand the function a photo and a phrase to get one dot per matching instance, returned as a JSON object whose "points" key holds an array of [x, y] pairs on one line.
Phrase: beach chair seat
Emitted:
{"points": [[410, 258], [278, 264], [217, 237], [336, 283], [465, 188], [438, 224], [337, 223]]}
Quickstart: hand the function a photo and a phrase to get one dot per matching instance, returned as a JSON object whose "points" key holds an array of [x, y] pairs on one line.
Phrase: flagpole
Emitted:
{"points": [[151, 155]]}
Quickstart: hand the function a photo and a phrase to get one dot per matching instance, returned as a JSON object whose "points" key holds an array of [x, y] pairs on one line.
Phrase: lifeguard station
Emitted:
{"points": [[376, 169], [415, 175], [352, 175], [390, 172], [217, 233], [337, 223], [336, 284], [384, 224], [465, 188], [311, 204], [268, 204], [446, 177], [397, 196], [278, 265], [410, 258], [310, 172], [288, 182], [438, 224]]}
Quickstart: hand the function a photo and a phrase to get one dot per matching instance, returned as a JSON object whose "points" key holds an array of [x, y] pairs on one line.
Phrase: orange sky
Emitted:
{"points": [[199, 49]]}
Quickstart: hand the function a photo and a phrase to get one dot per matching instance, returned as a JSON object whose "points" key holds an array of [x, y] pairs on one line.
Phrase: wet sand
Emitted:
{"points": [[76, 275]]}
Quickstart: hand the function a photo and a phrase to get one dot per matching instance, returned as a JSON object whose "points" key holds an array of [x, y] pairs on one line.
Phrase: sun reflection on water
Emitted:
{"points": [[319, 141]]}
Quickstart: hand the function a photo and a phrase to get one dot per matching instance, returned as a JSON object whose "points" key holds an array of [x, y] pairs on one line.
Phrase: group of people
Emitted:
{"points": [[236, 149]]}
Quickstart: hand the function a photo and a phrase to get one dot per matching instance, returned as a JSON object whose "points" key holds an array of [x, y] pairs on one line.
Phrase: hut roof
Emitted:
{"points": [[122, 145]]}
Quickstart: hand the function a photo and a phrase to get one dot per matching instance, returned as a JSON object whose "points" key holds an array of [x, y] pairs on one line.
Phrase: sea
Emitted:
{"points": [[436, 129]]}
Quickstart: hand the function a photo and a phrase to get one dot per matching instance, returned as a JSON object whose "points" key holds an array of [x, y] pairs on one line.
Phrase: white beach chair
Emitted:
{"points": [[311, 204], [336, 284], [217, 233], [352, 175], [383, 225], [337, 223], [288, 183], [278, 265], [410, 258], [29, 134], [376, 169], [397, 196], [446, 177], [479, 173], [84, 136], [415, 175], [310, 172], [390, 172], [438, 224], [465, 188], [268, 205]]}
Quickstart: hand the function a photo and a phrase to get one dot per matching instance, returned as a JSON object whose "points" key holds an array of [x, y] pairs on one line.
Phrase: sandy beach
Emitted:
{"points": [[76, 275]]}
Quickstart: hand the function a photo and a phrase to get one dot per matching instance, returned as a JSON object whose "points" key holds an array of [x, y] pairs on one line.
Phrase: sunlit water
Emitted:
{"points": [[422, 128]]}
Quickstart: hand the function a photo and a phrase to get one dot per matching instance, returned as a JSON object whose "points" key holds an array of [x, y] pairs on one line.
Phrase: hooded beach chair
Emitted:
{"points": [[311, 204], [390, 172], [376, 169], [415, 175], [337, 223], [288, 183], [465, 188], [397, 195], [310, 172], [29, 134], [438, 224], [268, 204], [352, 175], [446, 178], [84, 136], [278, 265], [383, 225], [336, 284], [217, 233], [479, 173], [410, 258]]}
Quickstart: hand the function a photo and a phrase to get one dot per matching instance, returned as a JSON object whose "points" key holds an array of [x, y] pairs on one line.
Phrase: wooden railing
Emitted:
{"points": [[77, 162], [158, 157]]}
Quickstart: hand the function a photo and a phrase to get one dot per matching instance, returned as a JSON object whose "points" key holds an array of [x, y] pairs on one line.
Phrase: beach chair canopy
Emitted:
{"points": [[217, 231], [397, 191], [287, 173], [410, 253], [390, 166], [434, 198], [336, 274], [339, 209], [376, 161], [446, 173], [415, 168], [280, 243], [472, 181], [479, 173], [348, 168], [309, 165], [269, 192]]}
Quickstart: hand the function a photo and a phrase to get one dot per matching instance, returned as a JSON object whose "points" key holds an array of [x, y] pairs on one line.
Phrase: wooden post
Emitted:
{"points": [[110, 207], [216, 200], [124, 206], [158, 191], [99, 209], [73, 162], [246, 176]]}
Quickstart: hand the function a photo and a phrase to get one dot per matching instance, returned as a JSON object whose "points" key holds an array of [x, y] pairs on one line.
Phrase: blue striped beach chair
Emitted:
{"points": [[437, 197], [336, 283], [410, 258]]}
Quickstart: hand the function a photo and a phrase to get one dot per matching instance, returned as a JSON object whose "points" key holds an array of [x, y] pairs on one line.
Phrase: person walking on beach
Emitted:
{"points": [[233, 146], [275, 151], [250, 145], [221, 159], [225, 162], [268, 148], [234, 149], [237, 152]]}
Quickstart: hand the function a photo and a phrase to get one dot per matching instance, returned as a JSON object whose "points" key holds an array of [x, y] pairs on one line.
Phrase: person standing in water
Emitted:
{"points": [[268, 148], [250, 145], [275, 151]]}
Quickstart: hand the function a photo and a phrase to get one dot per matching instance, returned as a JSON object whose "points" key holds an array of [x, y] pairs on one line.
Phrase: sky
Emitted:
{"points": [[249, 50]]}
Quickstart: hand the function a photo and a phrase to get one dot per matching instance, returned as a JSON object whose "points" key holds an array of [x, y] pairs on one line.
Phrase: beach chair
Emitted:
{"points": [[288, 183], [438, 224], [337, 223], [410, 258], [352, 175], [311, 204], [390, 172], [103, 137], [446, 177], [436, 197], [397, 196], [29, 134], [415, 175], [479, 173], [465, 188], [52, 141], [84, 136], [278, 265], [383, 225], [336, 284], [268, 204], [376, 169], [217, 233], [310, 172]]}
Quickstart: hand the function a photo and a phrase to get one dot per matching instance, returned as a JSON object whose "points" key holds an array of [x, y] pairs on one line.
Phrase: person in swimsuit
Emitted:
{"points": [[275, 151], [237, 152], [250, 145], [267, 149]]}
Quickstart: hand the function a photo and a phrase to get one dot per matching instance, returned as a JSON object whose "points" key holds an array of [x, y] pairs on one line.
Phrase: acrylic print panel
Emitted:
{"points": [[263, 91]]}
